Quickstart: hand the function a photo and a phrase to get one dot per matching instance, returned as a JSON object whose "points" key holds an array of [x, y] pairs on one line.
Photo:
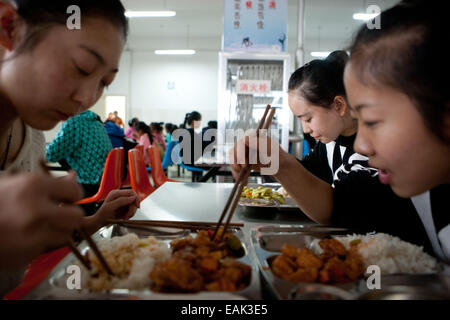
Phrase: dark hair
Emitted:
{"points": [[402, 55], [142, 126], [212, 124], [320, 81], [156, 126], [191, 117], [40, 15], [133, 122]]}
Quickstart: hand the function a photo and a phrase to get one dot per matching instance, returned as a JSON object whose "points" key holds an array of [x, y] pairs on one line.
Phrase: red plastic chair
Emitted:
{"points": [[140, 182], [140, 148], [111, 177], [127, 182], [158, 175]]}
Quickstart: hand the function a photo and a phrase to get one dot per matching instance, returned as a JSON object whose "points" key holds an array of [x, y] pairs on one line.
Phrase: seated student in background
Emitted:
{"points": [[334, 184], [117, 119], [145, 138], [398, 90], [192, 122], [34, 40], [211, 139], [131, 131], [84, 143], [168, 128], [157, 133], [115, 133]]}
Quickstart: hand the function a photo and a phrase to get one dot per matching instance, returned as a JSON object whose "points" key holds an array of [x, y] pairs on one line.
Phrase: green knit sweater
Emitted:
{"points": [[83, 142]]}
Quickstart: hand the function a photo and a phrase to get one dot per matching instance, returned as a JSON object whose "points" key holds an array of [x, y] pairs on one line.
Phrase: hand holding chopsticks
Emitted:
{"points": [[84, 235], [241, 180]]}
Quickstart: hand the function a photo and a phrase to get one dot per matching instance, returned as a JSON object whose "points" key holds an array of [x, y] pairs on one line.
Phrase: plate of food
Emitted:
{"points": [[315, 263], [266, 196], [150, 267]]}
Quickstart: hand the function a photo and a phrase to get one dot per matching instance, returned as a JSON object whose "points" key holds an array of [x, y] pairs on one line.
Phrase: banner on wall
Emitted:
{"points": [[255, 26]]}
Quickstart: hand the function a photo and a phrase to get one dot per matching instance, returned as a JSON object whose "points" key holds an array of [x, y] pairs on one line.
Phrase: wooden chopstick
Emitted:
{"points": [[84, 236], [243, 176], [97, 252], [78, 254], [175, 223], [247, 170]]}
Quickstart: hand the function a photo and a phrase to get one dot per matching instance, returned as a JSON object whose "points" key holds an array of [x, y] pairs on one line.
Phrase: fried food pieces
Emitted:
{"points": [[335, 265], [200, 264]]}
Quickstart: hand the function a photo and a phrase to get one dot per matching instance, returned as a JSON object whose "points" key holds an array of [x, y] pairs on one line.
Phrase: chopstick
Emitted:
{"points": [[77, 253], [243, 176], [84, 236], [193, 225]]}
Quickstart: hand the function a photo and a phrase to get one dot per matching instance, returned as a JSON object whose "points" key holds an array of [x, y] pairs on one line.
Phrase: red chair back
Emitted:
{"points": [[111, 177], [127, 182], [140, 148], [138, 174], [158, 175]]}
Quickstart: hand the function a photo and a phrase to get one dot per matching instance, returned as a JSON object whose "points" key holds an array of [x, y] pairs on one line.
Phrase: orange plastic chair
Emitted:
{"points": [[127, 182], [111, 177], [140, 182], [158, 175], [140, 148]]}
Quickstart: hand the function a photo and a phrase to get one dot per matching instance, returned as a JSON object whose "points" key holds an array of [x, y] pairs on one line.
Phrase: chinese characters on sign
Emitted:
{"points": [[260, 22], [237, 14], [255, 25], [253, 86]]}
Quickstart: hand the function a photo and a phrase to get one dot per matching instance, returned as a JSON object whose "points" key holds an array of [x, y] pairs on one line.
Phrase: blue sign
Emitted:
{"points": [[255, 26]]}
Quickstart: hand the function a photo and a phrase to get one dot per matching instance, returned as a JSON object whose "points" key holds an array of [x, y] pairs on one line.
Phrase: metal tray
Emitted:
{"points": [[288, 205], [54, 286], [267, 242]]}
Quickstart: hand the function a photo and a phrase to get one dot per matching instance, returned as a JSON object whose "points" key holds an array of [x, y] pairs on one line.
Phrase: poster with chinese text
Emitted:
{"points": [[255, 26]]}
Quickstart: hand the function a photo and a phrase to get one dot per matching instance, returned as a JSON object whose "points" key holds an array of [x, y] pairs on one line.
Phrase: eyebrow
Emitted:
{"points": [[98, 56], [303, 115], [360, 106]]}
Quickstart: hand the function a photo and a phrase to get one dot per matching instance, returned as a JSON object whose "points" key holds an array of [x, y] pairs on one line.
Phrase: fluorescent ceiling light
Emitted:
{"points": [[320, 54], [364, 16], [150, 14], [173, 52]]}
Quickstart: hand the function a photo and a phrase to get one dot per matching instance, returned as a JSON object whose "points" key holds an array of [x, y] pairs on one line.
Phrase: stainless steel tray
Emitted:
{"points": [[288, 205], [268, 240], [53, 287]]}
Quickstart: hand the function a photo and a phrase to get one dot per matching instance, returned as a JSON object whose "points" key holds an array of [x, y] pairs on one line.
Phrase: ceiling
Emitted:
{"points": [[328, 23]]}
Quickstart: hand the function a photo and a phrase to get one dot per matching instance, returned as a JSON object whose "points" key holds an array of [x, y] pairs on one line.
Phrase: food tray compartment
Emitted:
{"points": [[56, 283], [289, 203], [268, 240]]}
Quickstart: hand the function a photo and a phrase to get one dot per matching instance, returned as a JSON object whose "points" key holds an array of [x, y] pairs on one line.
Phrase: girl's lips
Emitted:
{"points": [[63, 116], [384, 176]]}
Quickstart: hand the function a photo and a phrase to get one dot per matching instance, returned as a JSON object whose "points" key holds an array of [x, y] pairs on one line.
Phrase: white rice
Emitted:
{"points": [[390, 253], [130, 258]]}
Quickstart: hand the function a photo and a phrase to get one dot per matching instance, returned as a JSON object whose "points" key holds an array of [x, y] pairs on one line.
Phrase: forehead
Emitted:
{"points": [[357, 91], [96, 33], [375, 96], [300, 106]]}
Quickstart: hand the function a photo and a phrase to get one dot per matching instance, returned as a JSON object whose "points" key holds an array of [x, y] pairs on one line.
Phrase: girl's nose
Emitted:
{"points": [[306, 128], [362, 144], [87, 95]]}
